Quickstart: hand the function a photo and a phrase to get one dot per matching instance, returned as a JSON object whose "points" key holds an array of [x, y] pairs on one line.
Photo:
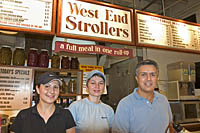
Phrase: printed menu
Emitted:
{"points": [[31, 14], [15, 88], [160, 31]]}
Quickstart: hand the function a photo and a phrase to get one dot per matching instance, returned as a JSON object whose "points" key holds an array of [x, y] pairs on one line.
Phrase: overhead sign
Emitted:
{"points": [[168, 32], [27, 14], [94, 20], [15, 88], [92, 49]]}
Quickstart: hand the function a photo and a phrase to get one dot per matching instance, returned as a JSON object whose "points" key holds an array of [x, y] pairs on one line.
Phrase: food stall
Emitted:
{"points": [[85, 32]]}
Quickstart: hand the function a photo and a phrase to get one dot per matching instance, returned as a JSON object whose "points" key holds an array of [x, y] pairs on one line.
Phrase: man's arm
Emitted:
{"points": [[170, 129], [71, 130]]}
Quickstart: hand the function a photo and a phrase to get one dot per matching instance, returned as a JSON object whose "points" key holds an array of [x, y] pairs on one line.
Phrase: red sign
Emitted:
{"points": [[92, 49]]}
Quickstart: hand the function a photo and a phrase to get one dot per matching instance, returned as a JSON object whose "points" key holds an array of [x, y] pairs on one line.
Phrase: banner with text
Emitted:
{"points": [[92, 49]]}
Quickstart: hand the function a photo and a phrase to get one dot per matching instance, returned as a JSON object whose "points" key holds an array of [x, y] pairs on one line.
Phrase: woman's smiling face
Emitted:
{"points": [[49, 92], [96, 86]]}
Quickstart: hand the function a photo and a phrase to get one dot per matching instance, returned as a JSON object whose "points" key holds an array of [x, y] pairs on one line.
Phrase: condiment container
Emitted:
{"points": [[19, 56], [5, 55], [72, 86], [43, 59], [73, 63], [55, 61], [32, 59], [65, 62]]}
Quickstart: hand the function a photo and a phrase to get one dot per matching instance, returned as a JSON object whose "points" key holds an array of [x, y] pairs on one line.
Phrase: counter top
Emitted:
{"points": [[192, 127]]}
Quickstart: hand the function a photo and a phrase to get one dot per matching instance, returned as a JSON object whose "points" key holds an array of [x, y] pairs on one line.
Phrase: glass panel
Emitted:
{"points": [[190, 111]]}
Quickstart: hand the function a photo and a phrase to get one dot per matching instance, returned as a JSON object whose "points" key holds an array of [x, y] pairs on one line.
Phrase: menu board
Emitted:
{"points": [[29, 14], [165, 32], [15, 88]]}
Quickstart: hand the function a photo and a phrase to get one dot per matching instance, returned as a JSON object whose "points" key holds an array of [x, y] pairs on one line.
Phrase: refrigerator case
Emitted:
{"points": [[197, 77], [176, 90], [181, 71]]}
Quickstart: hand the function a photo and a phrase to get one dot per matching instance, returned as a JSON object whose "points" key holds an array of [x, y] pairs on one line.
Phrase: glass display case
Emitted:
{"points": [[177, 90], [71, 88]]}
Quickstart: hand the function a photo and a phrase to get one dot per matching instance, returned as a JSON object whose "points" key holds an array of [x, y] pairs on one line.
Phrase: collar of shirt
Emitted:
{"points": [[138, 97], [35, 111]]}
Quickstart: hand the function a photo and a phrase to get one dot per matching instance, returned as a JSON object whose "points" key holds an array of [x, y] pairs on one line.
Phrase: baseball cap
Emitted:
{"points": [[48, 77], [95, 72]]}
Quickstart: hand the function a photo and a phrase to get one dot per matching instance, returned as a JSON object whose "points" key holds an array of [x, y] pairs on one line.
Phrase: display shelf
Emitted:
{"points": [[66, 75], [66, 94]]}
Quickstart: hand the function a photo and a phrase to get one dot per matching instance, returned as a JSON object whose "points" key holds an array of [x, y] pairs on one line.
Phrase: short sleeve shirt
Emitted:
{"points": [[29, 121], [136, 114], [91, 117]]}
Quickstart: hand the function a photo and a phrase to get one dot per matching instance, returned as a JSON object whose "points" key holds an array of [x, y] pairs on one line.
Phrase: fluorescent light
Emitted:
{"points": [[8, 32]]}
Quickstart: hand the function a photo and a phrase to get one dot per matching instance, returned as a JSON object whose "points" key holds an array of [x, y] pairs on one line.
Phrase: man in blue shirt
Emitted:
{"points": [[144, 110]]}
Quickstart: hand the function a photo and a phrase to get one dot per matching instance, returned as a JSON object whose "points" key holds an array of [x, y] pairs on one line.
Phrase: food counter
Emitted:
{"points": [[192, 127]]}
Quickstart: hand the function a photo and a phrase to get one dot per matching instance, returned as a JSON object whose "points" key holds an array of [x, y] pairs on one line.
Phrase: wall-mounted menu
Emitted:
{"points": [[165, 32], [15, 88], [30, 14]]}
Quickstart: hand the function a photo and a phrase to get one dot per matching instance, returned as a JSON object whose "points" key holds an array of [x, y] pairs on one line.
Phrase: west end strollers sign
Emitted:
{"points": [[91, 20]]}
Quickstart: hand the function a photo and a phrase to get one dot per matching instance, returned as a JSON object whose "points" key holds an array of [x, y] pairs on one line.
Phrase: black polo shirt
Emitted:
{"points": [[29, 121]]}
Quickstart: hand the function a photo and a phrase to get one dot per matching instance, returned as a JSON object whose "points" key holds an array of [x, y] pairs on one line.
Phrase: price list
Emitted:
{"points": [[15, 88], [159, 31], [31, 14], [198, 39], [152, 30], [183, 35]]}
